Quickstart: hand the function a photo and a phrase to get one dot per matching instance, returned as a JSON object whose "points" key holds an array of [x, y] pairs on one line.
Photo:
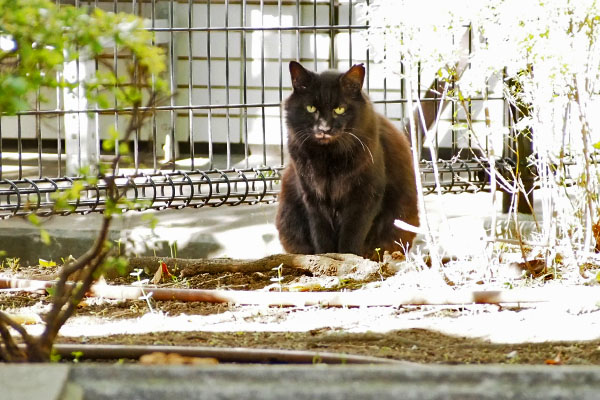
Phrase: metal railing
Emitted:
{"points": [[220, 140]]}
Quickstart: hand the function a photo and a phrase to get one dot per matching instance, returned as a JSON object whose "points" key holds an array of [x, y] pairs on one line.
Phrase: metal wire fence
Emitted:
{"points": [[220, 139]]}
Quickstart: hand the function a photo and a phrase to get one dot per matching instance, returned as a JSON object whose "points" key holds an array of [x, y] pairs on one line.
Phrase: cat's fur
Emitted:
{"points": [[350, 175]]}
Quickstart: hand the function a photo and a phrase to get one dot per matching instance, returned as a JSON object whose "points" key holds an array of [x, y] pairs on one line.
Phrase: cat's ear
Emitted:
{"points": [[300, 76], [352, 80]]}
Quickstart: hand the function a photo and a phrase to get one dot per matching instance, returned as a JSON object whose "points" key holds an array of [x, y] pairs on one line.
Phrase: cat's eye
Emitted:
{"points": [[339, 110], [311, 109]]}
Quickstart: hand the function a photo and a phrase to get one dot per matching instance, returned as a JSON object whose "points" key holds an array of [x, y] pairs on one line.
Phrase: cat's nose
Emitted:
{"points": [[324, 126]]}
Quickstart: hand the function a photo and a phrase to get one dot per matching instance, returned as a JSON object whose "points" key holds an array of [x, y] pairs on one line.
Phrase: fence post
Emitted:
{"points": [[81, 133], [520, 153]]}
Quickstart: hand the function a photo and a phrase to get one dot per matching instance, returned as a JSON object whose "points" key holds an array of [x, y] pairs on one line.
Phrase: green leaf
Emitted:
{"points": [[596, 145], [46, 264], [113, 133], [34, 219], [102, 101], [459, 126], [123, 148], [54, 356], [151, 219], [84, 171], [15, 85], [109, 144], [76, 355], [45, 237], [51, 291]]}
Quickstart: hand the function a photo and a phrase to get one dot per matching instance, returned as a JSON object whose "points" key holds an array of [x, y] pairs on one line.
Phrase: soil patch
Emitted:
{"points": [[416, 345]]}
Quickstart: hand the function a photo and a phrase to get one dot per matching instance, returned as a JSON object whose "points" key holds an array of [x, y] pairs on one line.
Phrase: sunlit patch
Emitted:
{"points": [[7, 43]]}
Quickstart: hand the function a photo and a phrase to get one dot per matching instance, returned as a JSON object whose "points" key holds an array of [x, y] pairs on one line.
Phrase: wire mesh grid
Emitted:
{"points": [[220, 139]]}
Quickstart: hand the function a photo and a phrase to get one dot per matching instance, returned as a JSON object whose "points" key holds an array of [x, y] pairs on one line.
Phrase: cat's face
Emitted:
{"points": [[324, 108]]}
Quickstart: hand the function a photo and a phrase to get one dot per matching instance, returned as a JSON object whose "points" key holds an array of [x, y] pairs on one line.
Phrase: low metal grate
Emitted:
{"points": [[157, 191]]}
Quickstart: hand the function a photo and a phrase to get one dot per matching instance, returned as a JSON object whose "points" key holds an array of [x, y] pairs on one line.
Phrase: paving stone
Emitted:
{"points": [[35, 381]]}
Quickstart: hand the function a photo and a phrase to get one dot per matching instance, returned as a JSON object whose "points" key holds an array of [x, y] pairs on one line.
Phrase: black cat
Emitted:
{"points": [[350, 174]]}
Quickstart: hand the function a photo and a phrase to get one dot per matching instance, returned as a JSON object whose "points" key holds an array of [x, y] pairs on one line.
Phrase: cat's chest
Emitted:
{"points": [[330, 188], [333, 181]]}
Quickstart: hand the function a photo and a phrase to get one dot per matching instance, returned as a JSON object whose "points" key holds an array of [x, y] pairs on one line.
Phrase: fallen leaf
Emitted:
{"points": [[159, 358], [596, 233], [161, 271], [448, 281], [555, 361], [535, 267], [25, 319], [46, 264], [157, 276]]}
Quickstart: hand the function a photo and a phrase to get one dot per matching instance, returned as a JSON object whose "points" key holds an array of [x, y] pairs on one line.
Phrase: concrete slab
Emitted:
{"points": [[238, 232], [36, 381]]}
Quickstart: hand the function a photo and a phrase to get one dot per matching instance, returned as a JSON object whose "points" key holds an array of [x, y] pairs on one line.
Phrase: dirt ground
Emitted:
{"points": [[411, 344]]}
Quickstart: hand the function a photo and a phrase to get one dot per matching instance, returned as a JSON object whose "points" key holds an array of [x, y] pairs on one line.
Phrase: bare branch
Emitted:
{"points": [[10, 351], [33, 348]]}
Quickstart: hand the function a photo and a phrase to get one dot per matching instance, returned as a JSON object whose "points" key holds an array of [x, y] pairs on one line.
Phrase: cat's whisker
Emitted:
{"points": [[305, 135], [364, 146]]}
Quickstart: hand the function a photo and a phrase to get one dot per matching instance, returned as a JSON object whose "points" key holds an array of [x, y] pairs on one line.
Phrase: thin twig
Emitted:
{"points": [[10, 351], [435, 259]]}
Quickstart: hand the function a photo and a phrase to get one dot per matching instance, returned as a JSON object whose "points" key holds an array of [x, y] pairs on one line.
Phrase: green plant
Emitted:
{"points": [[173, 248], [54, 356], [14, 263], [141, 282], [77, 356], [279, 278], [69, 259], [37, 38], [118, 242]]}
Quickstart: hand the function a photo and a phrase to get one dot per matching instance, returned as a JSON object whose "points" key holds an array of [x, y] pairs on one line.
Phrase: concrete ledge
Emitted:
{"points": [[241, 382], [238, 232]]}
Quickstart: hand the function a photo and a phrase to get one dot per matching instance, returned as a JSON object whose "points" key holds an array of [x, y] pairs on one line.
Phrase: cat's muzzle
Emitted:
{"points": [[323, 137]]}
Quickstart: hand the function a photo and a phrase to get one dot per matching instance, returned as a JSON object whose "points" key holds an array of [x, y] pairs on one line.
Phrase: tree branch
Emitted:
{"points": [[332, 264]]}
